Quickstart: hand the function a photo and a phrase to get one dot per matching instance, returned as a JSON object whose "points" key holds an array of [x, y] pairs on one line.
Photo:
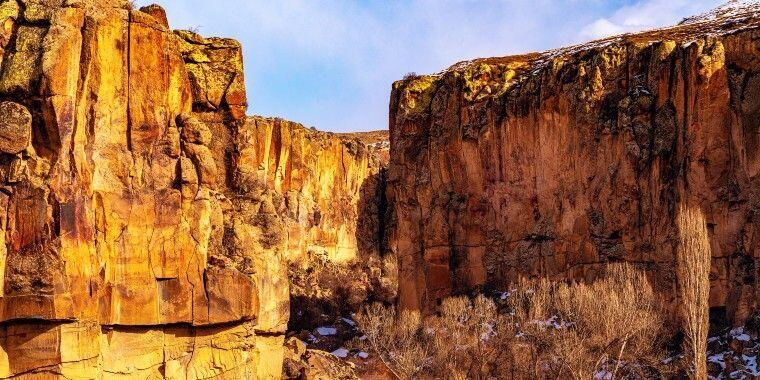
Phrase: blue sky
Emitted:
{"points": [[330, 63]]}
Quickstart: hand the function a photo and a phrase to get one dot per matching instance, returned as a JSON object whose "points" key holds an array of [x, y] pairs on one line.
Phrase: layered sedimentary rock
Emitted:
{"points": [[554, 164], [325, 193], [129, 248]]}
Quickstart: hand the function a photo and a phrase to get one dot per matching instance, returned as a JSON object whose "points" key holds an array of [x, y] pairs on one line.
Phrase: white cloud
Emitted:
{"points": [[601, 28]]}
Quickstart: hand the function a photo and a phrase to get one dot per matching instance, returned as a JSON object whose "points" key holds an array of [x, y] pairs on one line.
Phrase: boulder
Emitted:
{"points": [[15, 127]]}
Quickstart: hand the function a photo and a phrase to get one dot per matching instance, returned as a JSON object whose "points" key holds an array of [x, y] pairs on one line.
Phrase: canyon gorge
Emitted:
{"points": [[151, 228]]}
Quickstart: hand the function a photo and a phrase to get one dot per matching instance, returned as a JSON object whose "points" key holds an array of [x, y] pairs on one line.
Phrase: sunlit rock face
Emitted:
{"points": [[324, 194], [129, 248], [553, 164], [319, 176]]}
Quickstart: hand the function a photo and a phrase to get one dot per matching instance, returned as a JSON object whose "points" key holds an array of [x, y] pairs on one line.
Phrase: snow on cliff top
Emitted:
{"points": [[731, 16], [730, 10]]}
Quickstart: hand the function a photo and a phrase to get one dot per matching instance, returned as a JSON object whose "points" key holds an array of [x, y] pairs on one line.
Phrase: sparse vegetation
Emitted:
{"points": [[610, 327], [399, 339], [693, 269], [326, 289]]}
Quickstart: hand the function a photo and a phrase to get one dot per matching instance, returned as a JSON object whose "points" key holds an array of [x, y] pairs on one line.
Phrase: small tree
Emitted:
{"points": [[693, 272]]}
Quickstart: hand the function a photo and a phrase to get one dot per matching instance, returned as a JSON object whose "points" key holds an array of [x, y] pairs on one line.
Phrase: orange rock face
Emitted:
{"points": [[322, 197], [554, 164], [128, 247]]}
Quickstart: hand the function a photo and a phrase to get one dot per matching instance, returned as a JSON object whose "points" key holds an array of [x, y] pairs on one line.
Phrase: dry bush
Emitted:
{"points": [[578, 330], [548, 330], [469, 339], [693, 260], [326, 290], [398, 338], [472, 340]]}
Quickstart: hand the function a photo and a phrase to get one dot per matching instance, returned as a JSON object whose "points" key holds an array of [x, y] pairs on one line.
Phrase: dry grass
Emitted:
{"points": [[471, 339], [326, 289], [611, 325], [397, 338], [693, 269], [547, 330]]}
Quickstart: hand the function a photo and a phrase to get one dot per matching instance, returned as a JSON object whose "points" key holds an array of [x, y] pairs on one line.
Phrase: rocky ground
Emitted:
{"points": [[332, 351], [734, 354]]}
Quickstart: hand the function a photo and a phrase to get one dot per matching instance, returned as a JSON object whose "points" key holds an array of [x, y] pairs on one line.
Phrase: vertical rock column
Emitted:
{"points": [[115, 165]]}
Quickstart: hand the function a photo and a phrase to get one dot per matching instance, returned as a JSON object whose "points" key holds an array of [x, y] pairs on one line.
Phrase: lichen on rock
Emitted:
{"points": [[553, 164]]}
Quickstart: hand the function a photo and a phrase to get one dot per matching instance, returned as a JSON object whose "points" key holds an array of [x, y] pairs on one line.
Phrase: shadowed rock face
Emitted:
{"points": [[126, 247], [554, 164]]}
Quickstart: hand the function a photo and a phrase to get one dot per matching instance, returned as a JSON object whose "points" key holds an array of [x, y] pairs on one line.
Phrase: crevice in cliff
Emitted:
{"points": [[268, 334], [382, 211], [128, 67], [189, 325], [686, 74]]}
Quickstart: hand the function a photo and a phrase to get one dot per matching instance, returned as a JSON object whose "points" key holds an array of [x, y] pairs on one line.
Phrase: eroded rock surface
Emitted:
{"points": [[323, 198], [554, 164], [127, 246]]}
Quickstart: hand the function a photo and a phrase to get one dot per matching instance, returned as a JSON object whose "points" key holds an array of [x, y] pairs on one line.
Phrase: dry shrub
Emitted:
{"points": [[547, 329], [326, 290], [693, 260], [410, 75], [397, 338], [579, 330], [471, 339]]}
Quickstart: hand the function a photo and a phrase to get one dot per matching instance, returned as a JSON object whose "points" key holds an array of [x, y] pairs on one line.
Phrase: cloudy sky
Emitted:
{"points": [[330, 63]]}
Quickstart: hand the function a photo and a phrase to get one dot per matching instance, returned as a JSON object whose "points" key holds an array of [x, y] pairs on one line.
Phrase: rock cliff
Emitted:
{"points": [[553, 164], [131, 244], [327, 192]]}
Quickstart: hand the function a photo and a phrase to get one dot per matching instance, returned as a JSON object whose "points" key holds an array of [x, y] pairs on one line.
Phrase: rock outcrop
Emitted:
{"points": [[554, 164], [325, 194], [130, 246]]}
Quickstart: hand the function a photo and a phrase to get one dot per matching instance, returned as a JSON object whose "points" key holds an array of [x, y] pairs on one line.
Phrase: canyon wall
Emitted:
{"points": [[131, 244], [554, 164], [328, 192]]}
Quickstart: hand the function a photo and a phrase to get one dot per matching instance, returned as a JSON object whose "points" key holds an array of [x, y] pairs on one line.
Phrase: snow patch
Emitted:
{"points": [[341, 353], [739, 334], [327, 330], [751, 366], [731, 9], [603, 375]]}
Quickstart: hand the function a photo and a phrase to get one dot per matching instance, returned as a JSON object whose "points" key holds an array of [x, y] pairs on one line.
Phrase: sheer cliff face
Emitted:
{"points": [[124, 248], [320, 177], [553, 164], [325, 193]]}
